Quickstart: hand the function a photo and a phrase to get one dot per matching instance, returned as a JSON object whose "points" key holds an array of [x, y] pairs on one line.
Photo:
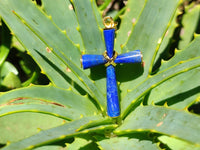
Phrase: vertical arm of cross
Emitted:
{"points": [[113, 108]]}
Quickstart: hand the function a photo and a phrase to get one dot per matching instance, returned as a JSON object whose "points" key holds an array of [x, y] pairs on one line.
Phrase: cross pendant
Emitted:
{"points": [[110, 59]]}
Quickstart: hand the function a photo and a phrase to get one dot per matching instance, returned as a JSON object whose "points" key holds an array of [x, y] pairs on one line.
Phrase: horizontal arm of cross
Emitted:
{"points": [[91, 60]]}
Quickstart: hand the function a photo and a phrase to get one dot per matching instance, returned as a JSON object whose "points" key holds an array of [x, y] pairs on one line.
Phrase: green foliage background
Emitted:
{"points": [[55, 104]]}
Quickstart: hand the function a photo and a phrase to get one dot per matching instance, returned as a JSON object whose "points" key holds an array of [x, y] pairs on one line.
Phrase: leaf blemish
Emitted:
{"points": [[68, 70], [143, 64], [164, 115], [166, 33], [57, 104], [133, 20], [13, 100], [159, 124], [48, 50], [182, 31], [70, 7], [35, 21], [129, 32]]}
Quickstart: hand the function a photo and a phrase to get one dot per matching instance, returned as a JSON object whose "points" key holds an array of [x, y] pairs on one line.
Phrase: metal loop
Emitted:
{"points": [[109, 23]]}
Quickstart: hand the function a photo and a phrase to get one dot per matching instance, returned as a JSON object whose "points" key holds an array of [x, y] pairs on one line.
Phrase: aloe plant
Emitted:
{"points": [[9, 65], [69, 113]]}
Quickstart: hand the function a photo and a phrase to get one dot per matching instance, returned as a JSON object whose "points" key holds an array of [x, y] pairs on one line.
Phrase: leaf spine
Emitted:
{"points": [[166, 105], [34, 2], [77, 45], [50, 17], [139, 130], [8, 143], [78, 28], [196, 35], [42, 71], [39, 129], [64, 31], [80, 79], [30, 147], [129, 90], [81, 116], [69, 89], [62, 136], [85, 131]]}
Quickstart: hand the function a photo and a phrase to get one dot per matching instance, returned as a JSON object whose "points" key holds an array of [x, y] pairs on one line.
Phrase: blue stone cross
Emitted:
{"points": [[110, 59]]}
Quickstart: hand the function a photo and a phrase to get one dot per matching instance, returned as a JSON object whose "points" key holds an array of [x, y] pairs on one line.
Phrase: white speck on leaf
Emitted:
{"points": [[70, 7], [159, 40], [133, 20], [129, 32], [166, 33]]}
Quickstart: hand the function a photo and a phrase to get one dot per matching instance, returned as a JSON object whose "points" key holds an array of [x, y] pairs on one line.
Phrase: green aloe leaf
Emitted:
{"points": [[33, 78], [163, 120], [104, 5], [40, 100], [37, 21], [177, 144], [7, 67], [5, 43], [30, 41], [164, 49], [16, 44], [56, 35], [137, 93], [80, 143], [127, 144], [64, 16], [184, 89], [11, 81], [68, 55], [129, 19], [147, 35], [191, 51], [54, 134], [57, 111], [77, 105], [98, 14], [89, 28], [189, 22], [50, 147], [15, 127]]}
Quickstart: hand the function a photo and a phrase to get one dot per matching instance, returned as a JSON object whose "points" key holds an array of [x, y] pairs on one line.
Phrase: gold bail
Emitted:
{"points": [[109, 22]]}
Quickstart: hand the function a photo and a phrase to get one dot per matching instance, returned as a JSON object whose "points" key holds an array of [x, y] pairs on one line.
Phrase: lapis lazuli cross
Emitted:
{"points": [[110, 59]]}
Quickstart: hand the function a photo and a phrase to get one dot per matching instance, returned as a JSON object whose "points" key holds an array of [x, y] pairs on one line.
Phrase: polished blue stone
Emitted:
{"points": [[130, 57], [89, 61], [113, 108], [109, 36]]}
